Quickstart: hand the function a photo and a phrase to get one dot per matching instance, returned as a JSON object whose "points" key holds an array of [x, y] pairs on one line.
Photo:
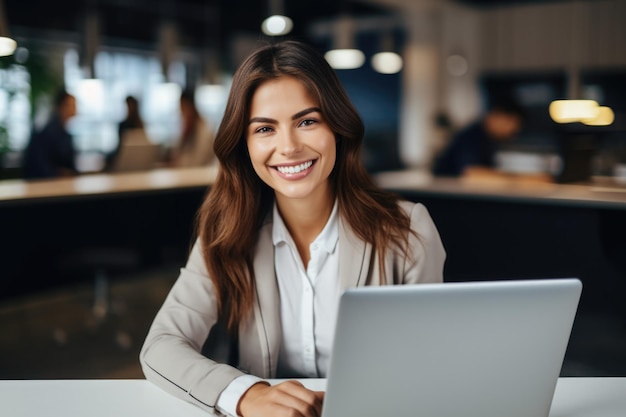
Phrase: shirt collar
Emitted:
{"points": [[327, 239]]}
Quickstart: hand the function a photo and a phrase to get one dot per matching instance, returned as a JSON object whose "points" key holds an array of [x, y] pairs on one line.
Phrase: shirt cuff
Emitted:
{"points": [[229, 398]]}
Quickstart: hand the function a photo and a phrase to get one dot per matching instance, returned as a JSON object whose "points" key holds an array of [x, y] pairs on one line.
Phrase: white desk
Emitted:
{"points": [[574, 397]]}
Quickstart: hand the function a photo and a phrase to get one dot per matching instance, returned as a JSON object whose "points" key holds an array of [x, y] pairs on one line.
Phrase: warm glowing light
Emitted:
{"points": [[345, 58], [7, 46], [277, 25], [568, 111], [604, 117], [387, 62]]}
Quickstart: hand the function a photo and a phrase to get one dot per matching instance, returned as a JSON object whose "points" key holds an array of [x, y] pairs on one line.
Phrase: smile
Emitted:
{"points": [[294, 169]]}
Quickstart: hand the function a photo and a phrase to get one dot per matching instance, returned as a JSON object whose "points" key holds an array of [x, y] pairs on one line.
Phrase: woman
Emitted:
{"points": [[292, 219]]}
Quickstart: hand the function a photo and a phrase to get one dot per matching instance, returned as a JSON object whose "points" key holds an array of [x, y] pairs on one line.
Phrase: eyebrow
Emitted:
{"points": [[294, 117], [305, 112]]}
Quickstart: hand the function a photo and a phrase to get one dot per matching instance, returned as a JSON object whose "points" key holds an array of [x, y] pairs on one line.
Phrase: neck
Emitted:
{"points": [[305, 219]]}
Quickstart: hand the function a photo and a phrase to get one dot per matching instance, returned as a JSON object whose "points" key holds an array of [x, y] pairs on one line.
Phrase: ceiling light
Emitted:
{"points": [[344, 55], [7, 46], [277, 25], [568, 111], [345, 58], [604, 117], [387, 62]]}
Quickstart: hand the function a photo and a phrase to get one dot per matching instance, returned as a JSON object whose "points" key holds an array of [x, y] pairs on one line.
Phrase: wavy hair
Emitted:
{"points": [[234, 209]]}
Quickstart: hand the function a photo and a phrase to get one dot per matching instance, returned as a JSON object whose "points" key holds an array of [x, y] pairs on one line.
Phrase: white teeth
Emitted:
{"points": [[295, 169]]}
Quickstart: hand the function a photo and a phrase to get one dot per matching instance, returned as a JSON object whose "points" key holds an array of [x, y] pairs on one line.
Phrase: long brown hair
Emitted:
{"points": [[236, 205]]}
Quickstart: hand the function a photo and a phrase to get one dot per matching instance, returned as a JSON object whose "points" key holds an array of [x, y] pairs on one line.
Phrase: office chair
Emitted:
{"points": [[99, 264]]}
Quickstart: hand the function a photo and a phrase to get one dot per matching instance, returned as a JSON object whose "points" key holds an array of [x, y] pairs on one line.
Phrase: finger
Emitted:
{"points": [[300, 398], [272, 401], [298, 390]]}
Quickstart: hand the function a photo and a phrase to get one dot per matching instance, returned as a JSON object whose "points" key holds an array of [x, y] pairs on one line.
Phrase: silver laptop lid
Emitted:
{"points": [[474, 349]]}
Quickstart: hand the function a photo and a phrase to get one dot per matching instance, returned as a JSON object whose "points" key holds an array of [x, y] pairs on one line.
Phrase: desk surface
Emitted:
{"points": [[15, 191], [574, 397], [602, 192]]}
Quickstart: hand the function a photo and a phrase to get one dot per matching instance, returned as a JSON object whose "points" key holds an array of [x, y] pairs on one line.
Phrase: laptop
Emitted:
{"points": [[471, 349], [137, 157]]}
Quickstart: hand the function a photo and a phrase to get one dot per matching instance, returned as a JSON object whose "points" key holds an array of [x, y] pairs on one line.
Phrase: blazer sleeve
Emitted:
{"points": [[426, 252], [171, 355]]}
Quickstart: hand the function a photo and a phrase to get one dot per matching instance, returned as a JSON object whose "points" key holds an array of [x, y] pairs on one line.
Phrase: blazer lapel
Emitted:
{"points": [[267, 305], [354, 258]]}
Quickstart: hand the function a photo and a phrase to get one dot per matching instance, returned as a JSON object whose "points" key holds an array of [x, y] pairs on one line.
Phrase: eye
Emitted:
{"points": [[308, 122], [263, 129]]}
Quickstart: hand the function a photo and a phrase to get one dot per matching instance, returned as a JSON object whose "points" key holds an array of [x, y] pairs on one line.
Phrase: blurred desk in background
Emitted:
{"points": [[44, 224], [517, 230], [603, 192], [105, 185], [500, 228]]}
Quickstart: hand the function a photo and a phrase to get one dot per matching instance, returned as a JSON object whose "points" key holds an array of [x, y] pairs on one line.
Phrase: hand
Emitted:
{"points": [[289, 398]]}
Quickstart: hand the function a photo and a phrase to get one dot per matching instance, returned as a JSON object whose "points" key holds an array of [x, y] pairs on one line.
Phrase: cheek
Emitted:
{"points": [[331, 149], [333, 154], [253, 150], [259, 154]]}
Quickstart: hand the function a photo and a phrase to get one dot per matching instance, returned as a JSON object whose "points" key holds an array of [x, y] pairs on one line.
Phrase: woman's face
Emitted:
{"points": [[291, 147]]}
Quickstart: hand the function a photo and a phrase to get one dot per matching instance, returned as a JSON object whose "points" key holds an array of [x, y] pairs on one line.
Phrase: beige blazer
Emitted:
{"points": [[172, 355]]}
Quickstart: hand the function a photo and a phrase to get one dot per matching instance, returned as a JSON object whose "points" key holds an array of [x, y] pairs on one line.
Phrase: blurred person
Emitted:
{"points": [[130, 131], [442, 133], [50, 152], [292, 209], [195, 145], [472, 151], [133, 118]]}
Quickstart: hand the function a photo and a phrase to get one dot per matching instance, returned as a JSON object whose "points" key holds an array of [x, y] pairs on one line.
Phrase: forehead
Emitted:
{"points": [[282, 92]]}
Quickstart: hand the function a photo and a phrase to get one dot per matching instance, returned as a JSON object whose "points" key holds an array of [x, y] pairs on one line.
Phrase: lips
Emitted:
{"points": [[294, 169]]}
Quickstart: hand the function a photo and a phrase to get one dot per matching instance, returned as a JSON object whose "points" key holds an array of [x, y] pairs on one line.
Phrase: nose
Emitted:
{"points": [[288, 143]]}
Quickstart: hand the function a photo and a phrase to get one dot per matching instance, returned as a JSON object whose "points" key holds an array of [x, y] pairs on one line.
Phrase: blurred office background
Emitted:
{"points": [[455, 57]]}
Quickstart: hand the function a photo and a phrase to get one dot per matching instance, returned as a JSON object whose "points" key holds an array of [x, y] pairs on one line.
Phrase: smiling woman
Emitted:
{"points": [[293, 153], [292, 220]]}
